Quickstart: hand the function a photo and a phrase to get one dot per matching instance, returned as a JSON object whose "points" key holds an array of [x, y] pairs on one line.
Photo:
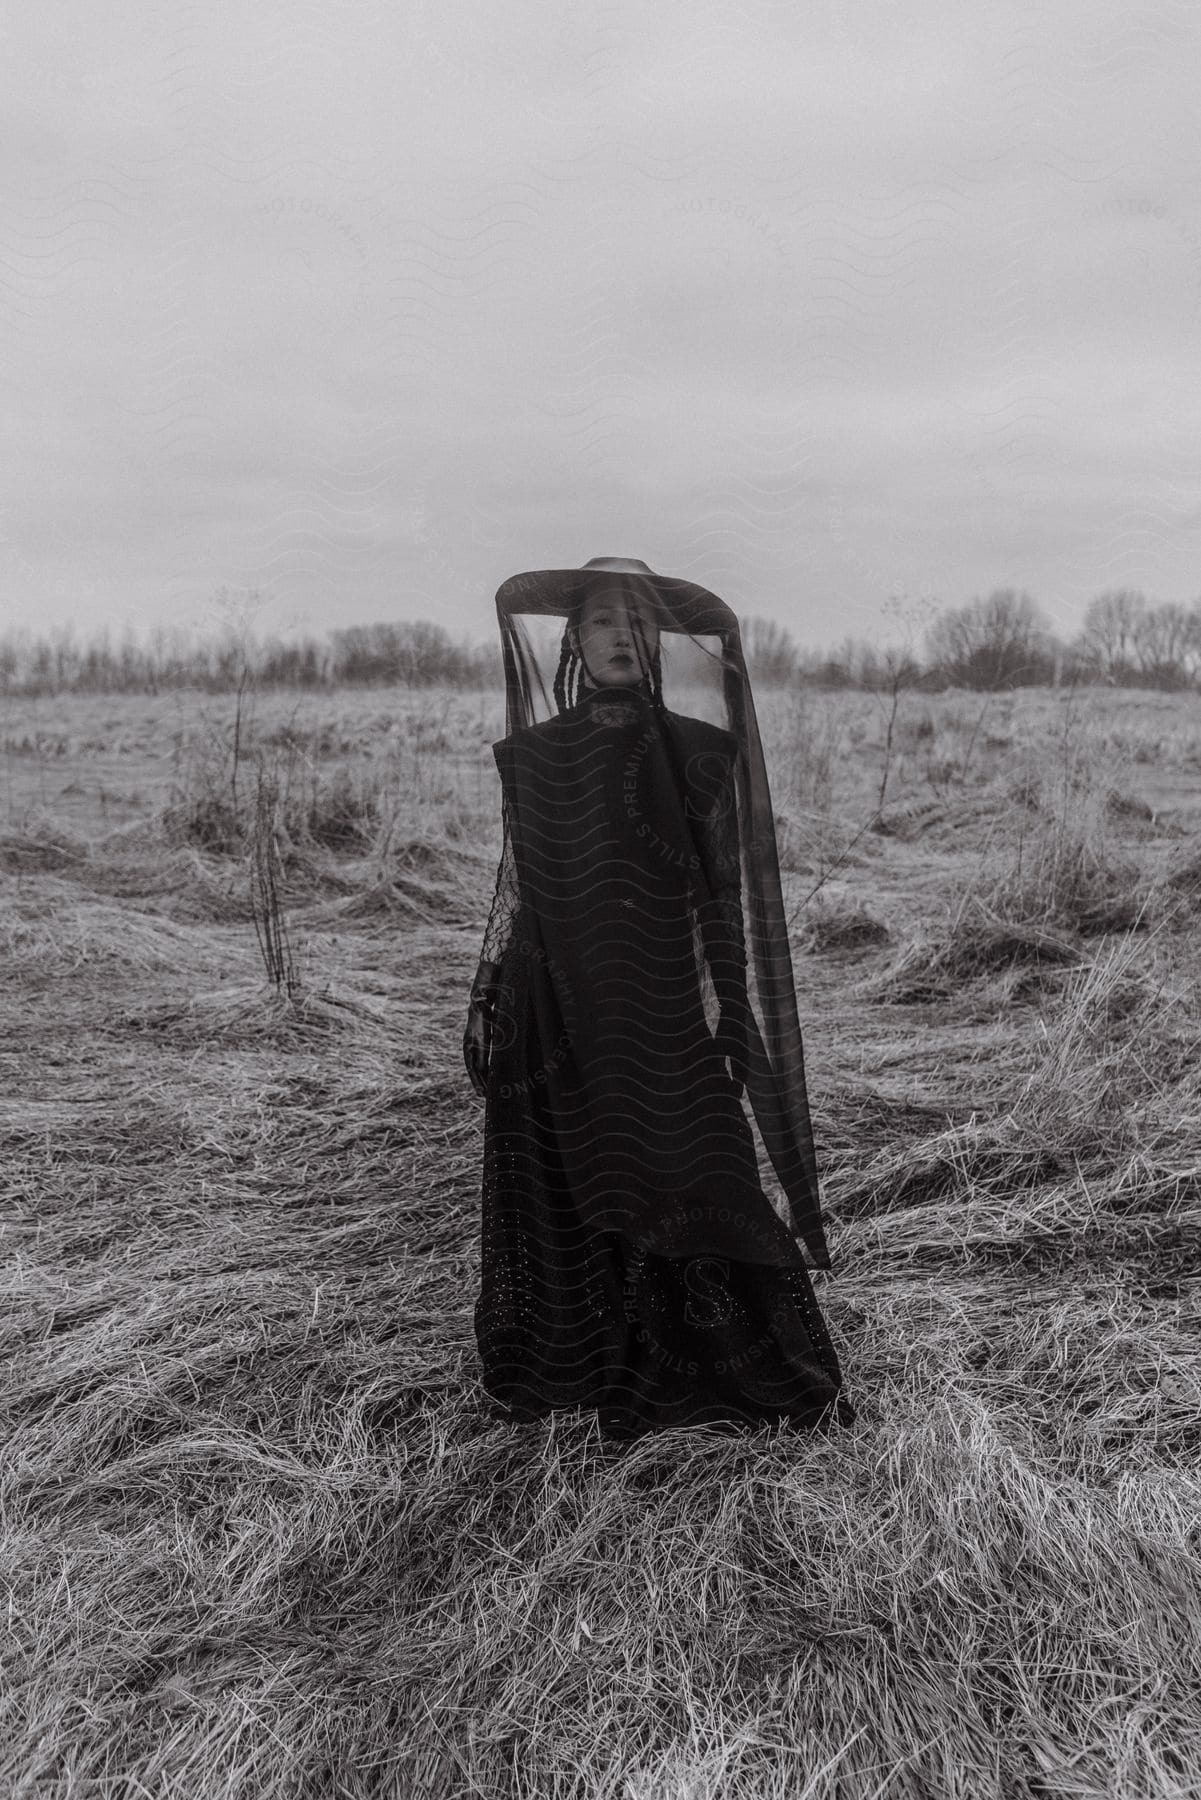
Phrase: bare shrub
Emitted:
{"points": [[343, 813], [1067, 878], [204, 811], [340, 812]]}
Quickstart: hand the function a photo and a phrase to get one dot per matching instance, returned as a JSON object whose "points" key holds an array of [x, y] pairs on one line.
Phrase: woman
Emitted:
{"points": [[630, 1260]]}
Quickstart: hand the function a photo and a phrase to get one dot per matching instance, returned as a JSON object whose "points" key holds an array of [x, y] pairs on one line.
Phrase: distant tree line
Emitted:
{"points": [[1000, 641], [1003, 640], [413, 653]]}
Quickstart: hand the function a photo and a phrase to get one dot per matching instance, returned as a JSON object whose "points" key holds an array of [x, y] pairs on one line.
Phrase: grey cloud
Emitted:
{"points": [[371, 309]]}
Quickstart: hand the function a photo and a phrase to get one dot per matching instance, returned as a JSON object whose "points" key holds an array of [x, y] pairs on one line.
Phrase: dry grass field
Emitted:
{"points": [[263, 1536]]}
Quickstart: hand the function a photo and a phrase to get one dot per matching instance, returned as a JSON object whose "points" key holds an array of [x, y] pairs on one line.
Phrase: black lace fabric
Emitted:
{"points": [[506, 899]]}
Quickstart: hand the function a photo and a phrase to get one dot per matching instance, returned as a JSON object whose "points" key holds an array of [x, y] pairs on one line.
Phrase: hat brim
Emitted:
{"points": [[683, 605]]}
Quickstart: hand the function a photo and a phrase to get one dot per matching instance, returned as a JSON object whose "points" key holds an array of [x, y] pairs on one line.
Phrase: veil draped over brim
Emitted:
{"points": [[704, 678]]}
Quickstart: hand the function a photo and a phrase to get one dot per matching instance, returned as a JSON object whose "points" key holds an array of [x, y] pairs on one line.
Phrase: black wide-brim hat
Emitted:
{"points": [[682, 605]]}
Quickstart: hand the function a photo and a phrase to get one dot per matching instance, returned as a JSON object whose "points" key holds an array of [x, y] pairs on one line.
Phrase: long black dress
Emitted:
{"points": [[630, 1260]]}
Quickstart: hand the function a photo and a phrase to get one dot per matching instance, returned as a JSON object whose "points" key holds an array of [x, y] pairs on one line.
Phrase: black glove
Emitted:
{"points": [[481, 1018]]}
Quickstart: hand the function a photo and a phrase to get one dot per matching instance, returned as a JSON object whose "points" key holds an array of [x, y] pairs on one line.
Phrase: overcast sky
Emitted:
{"points": [[370, 306]]}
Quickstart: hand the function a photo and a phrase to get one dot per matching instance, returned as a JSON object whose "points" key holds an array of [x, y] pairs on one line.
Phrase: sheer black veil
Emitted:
{"points": [[698, 672]]}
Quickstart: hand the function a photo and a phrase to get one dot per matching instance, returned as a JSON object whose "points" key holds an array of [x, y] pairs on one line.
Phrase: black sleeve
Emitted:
{"points": [[506, 899]]}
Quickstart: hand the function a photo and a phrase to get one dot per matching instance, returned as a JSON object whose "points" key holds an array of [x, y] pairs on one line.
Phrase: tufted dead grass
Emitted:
{"points": [[261, 1533]]}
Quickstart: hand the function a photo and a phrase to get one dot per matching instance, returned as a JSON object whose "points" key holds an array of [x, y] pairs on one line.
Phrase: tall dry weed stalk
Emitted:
{"points": [[266, 881], [237, 748], [899, 669]]}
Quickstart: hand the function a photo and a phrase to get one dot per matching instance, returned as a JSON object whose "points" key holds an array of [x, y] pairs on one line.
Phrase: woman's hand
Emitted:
{"points": [[481, 1014], [477, 1047]]}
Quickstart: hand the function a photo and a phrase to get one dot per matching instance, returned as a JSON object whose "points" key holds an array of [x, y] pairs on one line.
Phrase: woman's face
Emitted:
{"points": [[617, 636]]}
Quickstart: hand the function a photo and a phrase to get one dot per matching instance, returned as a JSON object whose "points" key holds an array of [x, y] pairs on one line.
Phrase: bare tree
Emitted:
{"points": [[1192, 643], [771, 655], [413, 651], [1162, 642], [998, 642], [1110, 630]]}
